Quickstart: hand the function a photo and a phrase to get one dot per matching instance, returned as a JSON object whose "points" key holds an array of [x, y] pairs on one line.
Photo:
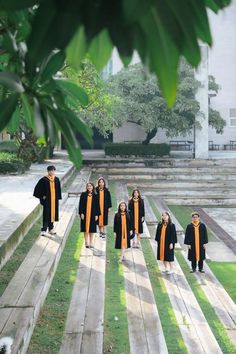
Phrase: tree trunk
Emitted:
{"points": [[149, 136]]}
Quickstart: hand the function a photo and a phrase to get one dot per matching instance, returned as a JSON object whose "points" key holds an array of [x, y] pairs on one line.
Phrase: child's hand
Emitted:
{"points": [[82, 216], [171, 246]]}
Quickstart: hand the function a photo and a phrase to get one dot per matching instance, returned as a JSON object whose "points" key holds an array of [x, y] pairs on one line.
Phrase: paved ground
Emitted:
{"points": [[16, 192]]}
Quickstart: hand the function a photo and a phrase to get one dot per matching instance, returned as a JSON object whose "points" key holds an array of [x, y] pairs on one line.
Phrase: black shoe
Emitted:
{"points": [[201, 271], [87, 246], [192, 270]]}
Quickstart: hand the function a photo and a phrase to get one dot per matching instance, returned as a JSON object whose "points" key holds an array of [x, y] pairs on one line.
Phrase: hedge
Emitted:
{"points": [[126, 149], [8, 146], [10, 163]]}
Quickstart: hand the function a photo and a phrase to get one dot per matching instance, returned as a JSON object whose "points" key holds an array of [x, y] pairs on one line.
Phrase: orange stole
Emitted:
{"points": [[136, 215], [53, 197], [101, 204], [197, 240], [162, 242], [124, 243], [88, 212]]}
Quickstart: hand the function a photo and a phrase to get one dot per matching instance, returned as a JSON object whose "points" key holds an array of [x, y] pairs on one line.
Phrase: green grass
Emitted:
{"points": [[183, 215], [215, 324], [48, 332], [173, 337], [9, 269], [116, 337], [154, 208], [225, 272]]}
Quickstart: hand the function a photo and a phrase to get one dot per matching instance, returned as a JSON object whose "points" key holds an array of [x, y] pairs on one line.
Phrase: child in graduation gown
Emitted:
{"points": [[166, 239], [122, 229], [104, 199], [89, 213], [196, 238], [136, 209], [48, 190]]}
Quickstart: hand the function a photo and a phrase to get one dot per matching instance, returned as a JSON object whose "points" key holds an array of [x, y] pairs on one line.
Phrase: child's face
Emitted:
{"points": [[90, 188], [101, 183], [51, 173], [165, 217], [123, 207]]}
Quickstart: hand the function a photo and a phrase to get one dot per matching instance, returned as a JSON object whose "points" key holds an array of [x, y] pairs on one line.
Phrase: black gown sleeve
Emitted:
{"points": [[59, 188], [205, 236], [109, 203], [97, 206], [173, 234], [187, 236], [143, 207], [82, 203], [40, 191], [115, 223], [157, 237]]}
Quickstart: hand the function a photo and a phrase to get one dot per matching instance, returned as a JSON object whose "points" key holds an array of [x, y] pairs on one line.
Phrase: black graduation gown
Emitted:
{"points": [[95, 211], [190, 240], [141, 212], [117, 229], [170, 238], [42, 189], [107, 203]]}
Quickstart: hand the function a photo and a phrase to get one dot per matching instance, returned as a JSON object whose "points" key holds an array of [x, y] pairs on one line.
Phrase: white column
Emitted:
{"points": [[201, 135]]}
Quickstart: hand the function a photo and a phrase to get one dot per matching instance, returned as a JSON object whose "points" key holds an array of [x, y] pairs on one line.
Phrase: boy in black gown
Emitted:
{"points": [[48, 190]]}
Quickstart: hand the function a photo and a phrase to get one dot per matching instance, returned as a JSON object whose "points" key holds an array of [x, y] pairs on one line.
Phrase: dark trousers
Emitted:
{"points": [[200, 265], [46, 222]]}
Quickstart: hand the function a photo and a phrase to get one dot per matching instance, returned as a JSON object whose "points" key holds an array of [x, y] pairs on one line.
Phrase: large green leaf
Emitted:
{"points": [[17, 4], [164, 61], [52, 66], [11, 81], [7, 108], [100, 49], [77, 125], [14, 122], [77, 48], [71, 142], [73, 90], [27, 111]]}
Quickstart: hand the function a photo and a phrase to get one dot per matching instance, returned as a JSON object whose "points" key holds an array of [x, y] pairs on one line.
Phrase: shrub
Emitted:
{"points": [[10, 163], [126, 149], [8, 146]]}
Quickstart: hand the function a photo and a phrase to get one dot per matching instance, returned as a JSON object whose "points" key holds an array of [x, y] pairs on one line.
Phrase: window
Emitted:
{"points": [[232, 114]]}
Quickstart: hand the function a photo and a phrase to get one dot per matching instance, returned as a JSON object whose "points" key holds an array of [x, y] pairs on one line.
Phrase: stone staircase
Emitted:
{"points": [[205, 183]]}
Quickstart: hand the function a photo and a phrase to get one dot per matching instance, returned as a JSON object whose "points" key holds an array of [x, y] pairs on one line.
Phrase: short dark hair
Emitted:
{"points": [[195, 213], [51, 168]]}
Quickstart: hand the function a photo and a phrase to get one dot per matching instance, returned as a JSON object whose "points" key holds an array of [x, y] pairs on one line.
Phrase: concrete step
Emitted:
{"points": [[22, 300], [17, 228], [203, 200], [172, 170], [196, 185], [230, 178], [190, 193]]}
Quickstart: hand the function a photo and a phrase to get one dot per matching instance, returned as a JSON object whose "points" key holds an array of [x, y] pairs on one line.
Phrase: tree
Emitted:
{"points": [[142, 101], [99, 112], [37, 35]]}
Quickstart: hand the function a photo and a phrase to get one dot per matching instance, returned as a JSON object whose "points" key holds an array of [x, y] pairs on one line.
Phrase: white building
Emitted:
{"points": [[221, 64]]}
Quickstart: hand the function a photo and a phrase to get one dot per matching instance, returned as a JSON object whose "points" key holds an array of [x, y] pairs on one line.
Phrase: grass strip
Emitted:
{"points": [[154, 208], [215, 324], [8, 270], [173, 336], [48, 332], [183, 214], [116, 336], [225, 272]]}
